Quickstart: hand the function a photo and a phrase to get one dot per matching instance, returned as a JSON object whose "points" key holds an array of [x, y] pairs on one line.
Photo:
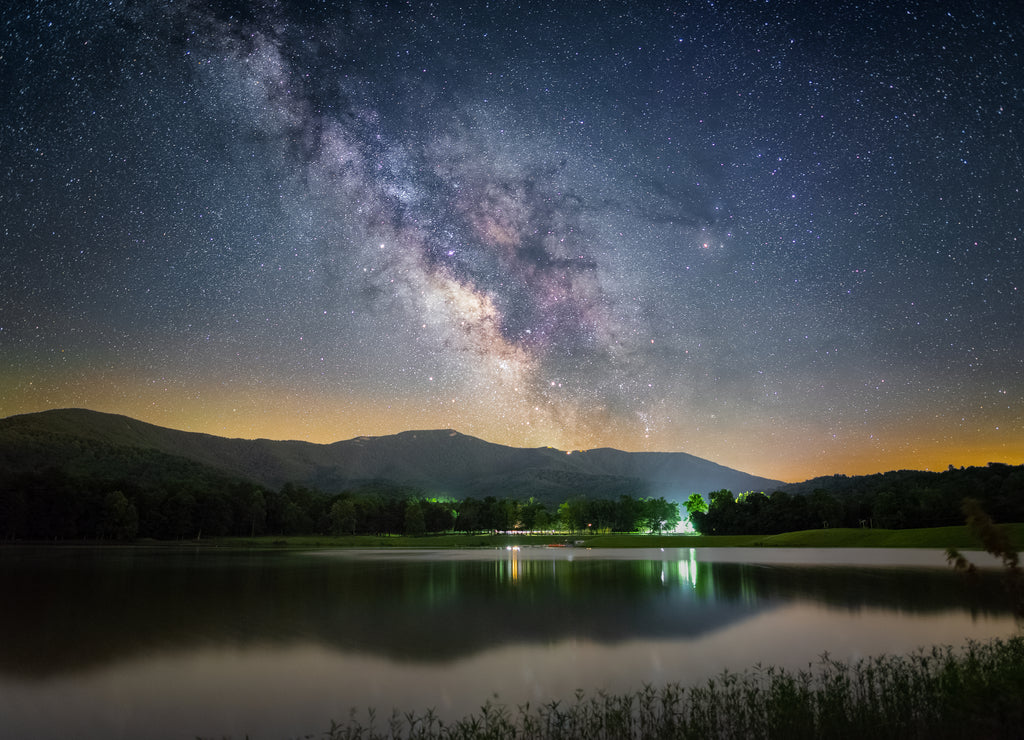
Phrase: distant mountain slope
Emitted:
{"points": [[437, 461]]}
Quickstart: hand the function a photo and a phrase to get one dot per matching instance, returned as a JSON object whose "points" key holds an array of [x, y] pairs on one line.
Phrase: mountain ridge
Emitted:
{"points": [[439, 461]]}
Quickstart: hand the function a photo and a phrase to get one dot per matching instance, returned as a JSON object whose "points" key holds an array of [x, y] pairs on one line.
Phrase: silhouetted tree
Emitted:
{"points": [[996, 541], [343, 519], [179, 511], [120, 519], [415, 525], [12, 512], [438, 515]]}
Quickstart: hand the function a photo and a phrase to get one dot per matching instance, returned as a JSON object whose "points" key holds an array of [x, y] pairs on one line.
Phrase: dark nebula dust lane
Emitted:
{"points": [[786, 237]]}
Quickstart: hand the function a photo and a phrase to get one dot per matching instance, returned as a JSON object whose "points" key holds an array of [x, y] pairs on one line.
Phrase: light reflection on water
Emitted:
{"points": [[171, 644]]}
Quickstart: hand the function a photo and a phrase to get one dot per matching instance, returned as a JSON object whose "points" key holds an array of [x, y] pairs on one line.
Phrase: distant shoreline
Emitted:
{"points": [[929, 538]]}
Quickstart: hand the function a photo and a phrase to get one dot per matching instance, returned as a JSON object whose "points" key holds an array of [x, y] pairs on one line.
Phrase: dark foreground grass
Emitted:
{"points": [[973, 692]]}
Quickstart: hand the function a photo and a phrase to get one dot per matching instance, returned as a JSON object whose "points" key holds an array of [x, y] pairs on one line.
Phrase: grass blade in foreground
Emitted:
{"points": [[973, 692]]}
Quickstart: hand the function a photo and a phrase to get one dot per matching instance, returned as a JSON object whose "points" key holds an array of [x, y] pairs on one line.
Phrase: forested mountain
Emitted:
{"points": [[75, 474], [438, 462]]}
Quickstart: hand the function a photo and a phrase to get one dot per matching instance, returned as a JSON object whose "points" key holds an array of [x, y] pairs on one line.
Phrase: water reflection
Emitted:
{"points": [[135, 642], [73, 610]]}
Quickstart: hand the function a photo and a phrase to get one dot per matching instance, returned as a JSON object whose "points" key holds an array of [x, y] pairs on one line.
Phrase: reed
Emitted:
{"points": [[942, 692]]}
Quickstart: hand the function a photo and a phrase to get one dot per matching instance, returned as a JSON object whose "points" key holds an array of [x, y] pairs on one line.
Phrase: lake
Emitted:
{"points": [[174, 643]]}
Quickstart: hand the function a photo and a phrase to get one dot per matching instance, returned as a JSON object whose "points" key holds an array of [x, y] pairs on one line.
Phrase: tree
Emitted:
{"points": [[573, 513], [659, 514], [492, 514], [415, 525], [120, 520], [255, 512], [368, 513], [824, 510], [179, 511], [721, 517], [343, 517], [541, 519], [996, 541], [12, 512], [752, 509], [695, 504], [532, 515], [215, 517], [670, 516], [469, 515], [438, 515], [628, 512], [296, 520]]}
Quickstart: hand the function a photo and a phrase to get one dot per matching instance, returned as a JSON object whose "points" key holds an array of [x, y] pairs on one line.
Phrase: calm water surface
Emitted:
{"points": [[149, 643]]}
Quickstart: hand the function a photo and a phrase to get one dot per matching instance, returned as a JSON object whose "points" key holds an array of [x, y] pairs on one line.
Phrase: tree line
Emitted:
{"points": [[895, 500], [52, 504], [162, 498]]}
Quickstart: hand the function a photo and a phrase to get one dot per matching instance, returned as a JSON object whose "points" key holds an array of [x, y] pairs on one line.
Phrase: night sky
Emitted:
{"points": [[784, 236]]}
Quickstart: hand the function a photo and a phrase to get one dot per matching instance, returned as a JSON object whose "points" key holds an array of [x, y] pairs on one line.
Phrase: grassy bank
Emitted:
{"points": [[934, 537], [937, 537], [976, 691]]}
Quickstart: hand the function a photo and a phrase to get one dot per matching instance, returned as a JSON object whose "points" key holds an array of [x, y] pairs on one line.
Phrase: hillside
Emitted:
{"points": [[83, 442]]}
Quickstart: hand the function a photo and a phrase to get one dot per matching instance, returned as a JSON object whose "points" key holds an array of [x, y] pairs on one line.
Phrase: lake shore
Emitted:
{"points": [[931, 538], [958, 537]]}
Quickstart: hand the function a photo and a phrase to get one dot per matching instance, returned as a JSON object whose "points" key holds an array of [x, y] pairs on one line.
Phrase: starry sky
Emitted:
{"points": [[784, 236]]}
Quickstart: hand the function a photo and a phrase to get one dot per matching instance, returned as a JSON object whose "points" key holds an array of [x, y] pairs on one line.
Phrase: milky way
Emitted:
{"points": [[786, 237]]}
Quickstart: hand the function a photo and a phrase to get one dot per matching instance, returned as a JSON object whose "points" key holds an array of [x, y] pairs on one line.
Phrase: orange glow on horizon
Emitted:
{"points": [[279, 414]]}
